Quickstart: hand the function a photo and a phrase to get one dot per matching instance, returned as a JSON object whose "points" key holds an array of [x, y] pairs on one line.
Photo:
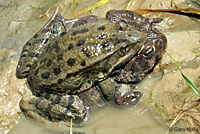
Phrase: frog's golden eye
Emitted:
{"points": [[124, 50], [149, 52]]}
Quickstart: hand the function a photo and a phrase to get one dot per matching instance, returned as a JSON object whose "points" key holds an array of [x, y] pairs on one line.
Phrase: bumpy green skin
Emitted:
{"points": [[82, 53]]}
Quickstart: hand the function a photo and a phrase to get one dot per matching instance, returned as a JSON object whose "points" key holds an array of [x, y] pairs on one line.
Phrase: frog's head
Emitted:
{"points": [[149, 55], [128, 43]]}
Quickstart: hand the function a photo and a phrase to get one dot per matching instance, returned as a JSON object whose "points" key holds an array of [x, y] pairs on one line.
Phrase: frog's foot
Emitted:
{"points": [[57, 108], [124, 98]]}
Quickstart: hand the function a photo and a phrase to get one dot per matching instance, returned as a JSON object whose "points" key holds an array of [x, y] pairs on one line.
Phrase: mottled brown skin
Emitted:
{"points": [[89, 52]]}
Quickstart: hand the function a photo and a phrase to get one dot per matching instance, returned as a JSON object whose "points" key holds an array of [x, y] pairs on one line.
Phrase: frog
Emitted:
{"points": [[68, 57]]}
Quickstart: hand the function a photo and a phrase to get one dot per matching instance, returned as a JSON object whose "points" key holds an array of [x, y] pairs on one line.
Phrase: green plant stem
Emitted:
{"points": [[195, 89]]}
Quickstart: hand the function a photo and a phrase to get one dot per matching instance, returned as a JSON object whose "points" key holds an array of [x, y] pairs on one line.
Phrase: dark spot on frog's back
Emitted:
{"points": [[71, 61], [60, 80], [80, 42], [49, 63], [36, 72], [63, 33], [70, 46], [56, 46], [56, 71], [83, 63], [83, 30], [35, 36], [57, 49], [28, 44], [45, 75], [101, 28], [60, 57], [44, 60], [69, 75]]}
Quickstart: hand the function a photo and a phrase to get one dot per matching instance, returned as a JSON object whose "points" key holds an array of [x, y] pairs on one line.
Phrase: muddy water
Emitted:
{"points": [[18, 23]]}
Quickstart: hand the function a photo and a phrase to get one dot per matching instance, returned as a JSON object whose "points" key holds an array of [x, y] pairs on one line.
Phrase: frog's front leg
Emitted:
{"points": [[35, 46], [121, 94], [57, 108]]}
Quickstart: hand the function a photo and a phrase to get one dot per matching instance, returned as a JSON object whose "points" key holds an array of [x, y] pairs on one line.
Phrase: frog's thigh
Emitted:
{"points": [[57, 108]]}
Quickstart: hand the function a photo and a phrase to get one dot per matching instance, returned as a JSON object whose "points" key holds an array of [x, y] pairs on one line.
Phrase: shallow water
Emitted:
{"points": [[18, 23]]}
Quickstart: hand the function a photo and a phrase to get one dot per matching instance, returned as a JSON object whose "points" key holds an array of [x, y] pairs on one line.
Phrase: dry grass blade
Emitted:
{"points": [[72, 6], [78, 13], [190, 10], [182, 113], [194, 104]]}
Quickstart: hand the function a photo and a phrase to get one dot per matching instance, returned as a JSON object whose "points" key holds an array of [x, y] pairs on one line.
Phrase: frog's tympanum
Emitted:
{"points": [[69, 57]]}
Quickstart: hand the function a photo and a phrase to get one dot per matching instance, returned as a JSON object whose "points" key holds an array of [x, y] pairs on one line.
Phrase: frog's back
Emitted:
{"points": [[80, 49]]}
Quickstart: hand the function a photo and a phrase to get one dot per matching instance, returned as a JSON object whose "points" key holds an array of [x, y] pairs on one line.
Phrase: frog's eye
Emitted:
{"points": [[149, 52], [124, 49]]}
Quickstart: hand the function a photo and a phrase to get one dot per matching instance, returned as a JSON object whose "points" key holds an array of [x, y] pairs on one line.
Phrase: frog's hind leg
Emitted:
{"points": [[56, 108]]}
